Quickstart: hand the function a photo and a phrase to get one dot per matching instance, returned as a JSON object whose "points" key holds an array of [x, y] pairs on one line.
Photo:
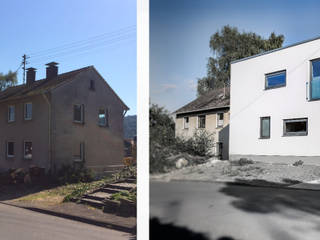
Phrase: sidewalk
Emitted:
{"points": [[82, 213]]}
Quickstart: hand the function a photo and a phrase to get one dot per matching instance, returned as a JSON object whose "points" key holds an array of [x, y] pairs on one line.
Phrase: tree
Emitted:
{"points": [[8, 80], [229, 45]]}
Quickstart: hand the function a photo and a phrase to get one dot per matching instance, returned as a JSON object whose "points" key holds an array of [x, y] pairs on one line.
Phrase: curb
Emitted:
{"points": [[77, 218], [247, 184]]}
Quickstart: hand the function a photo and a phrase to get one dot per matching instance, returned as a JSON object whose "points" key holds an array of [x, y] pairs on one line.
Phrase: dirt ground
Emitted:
{"points": [[227, 171]]}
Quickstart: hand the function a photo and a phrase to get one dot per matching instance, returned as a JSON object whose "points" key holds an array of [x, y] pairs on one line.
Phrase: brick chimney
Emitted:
{"points": [[51, 70], [31, 76]]}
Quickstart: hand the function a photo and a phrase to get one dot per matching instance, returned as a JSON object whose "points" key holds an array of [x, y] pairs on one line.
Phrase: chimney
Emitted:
{"points": [[31, 76], [51, 70]]}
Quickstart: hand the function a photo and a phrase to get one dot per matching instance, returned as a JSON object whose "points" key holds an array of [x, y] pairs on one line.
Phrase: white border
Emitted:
{"points": [[143, 119]]}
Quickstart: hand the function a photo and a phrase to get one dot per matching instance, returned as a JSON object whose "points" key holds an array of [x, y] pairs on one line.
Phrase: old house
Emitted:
{"points": [[68, 118], [209, 112], [275, 105]]}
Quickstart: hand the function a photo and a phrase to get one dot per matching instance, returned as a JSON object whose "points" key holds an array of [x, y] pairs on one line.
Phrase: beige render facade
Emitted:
{"points": [[56, 137], [211, 111]]}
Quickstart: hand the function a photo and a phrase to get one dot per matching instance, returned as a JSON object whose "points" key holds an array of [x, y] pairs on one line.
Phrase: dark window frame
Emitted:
{"points": [[25, 111], [289, 134], [199, 121], [14, 113], [269, 132], [24, 150], [266, 87], [106, 117], [81, 113], [218, 120]]}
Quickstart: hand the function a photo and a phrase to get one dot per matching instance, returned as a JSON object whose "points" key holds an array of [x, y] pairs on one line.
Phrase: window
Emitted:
{"points": [[27, 150], [79, 155], [295, 127], [219, 119], [315, 79], [186, 122], [92, 85], [11, 114], [275, 80], [265, 127], [28, 111], [10, 149], [78, 115], [103, 117], [202, 121]]}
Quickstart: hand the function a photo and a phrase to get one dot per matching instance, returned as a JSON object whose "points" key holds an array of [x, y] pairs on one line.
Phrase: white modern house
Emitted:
{"points": [[275, 105]]}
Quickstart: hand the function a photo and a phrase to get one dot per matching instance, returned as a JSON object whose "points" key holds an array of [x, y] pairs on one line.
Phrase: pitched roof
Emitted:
{"points": [[40, 85], [217, 98], [45, 84]]}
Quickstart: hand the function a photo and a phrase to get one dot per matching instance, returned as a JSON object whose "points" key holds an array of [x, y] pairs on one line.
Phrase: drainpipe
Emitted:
{"points": [[49, 130]]}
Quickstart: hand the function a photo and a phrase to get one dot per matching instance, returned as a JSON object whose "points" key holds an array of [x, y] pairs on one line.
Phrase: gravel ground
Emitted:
{"points": [[217, 170]]}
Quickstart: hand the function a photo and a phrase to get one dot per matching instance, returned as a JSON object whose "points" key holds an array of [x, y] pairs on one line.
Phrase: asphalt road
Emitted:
{"points": [[224, 211], [17, 224]]}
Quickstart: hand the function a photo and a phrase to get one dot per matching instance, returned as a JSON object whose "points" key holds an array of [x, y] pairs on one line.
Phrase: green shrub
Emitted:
{"points": [[75, 174], [126, 172]]}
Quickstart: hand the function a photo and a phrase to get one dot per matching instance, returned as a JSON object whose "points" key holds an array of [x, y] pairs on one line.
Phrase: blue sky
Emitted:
{"points": [[30, 27], [180, 31]]}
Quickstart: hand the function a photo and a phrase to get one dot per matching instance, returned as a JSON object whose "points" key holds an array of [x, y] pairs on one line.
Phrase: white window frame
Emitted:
{"points": [[10, 156], [25, 111], [105, 117], [24, 150], [217, 120], [14, 113], [186, 126], [81, 113]]}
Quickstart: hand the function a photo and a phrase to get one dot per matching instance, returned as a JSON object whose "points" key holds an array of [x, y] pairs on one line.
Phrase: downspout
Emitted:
{"points": [[49, 131]]}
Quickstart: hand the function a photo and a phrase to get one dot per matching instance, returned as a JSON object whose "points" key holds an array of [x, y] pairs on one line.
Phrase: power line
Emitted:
{"points": [[85, 42]]}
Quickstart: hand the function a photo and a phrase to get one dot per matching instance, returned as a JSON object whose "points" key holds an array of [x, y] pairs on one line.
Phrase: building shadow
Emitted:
{"points": [[161, 231], [271, 197]]}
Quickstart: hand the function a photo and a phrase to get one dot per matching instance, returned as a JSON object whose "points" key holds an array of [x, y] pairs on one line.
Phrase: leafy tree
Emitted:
{"points": [[229, 45], [8, 80]]}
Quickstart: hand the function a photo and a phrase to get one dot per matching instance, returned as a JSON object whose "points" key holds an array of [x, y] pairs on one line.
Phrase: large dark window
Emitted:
{"points": [[295, 127], [315, 79], [78, 113], [103, 117], [28, 111], [10, 149], [265, 127], [275, 80]]}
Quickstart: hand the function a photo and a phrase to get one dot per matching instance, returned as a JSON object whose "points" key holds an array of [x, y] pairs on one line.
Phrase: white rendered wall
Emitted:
{"points": [[249, 102]]}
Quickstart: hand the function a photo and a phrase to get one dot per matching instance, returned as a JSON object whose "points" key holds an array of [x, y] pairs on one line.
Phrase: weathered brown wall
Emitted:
{"points": [[103, 145], [35, 130]]}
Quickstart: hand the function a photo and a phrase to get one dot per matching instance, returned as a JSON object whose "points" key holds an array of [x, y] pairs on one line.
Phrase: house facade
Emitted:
{"points": [[68, 118], [209, 112], [275, 105]]}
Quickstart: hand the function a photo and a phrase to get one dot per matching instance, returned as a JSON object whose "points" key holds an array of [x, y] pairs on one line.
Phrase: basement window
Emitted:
{"points": [[79, 156], [10, 149], [275, 80], [264, 127], [219, 119], [186, 122], [78, 113], [295, 127], [202, 121], [27, 150]]}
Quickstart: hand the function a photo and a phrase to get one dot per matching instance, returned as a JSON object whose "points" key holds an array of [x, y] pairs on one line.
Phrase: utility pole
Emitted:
{"points": [[24, 62]]}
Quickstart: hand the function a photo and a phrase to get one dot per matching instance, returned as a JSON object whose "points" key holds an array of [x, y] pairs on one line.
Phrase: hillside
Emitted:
{"points": [[130, 126]]}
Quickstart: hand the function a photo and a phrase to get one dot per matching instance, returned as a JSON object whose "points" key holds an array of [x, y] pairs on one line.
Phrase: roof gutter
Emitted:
{"points": [[203, 109]]}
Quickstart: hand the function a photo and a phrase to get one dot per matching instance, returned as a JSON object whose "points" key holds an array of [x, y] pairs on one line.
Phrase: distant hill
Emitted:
{"points": [[130, 126]]}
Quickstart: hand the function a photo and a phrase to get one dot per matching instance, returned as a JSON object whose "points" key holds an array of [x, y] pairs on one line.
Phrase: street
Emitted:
{"points": [[17, 223], [234, 212]]}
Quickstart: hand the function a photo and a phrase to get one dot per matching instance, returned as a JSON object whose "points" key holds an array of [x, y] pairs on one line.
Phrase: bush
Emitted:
{"points": [[298, 163], [75, 174], [126, 172]]}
